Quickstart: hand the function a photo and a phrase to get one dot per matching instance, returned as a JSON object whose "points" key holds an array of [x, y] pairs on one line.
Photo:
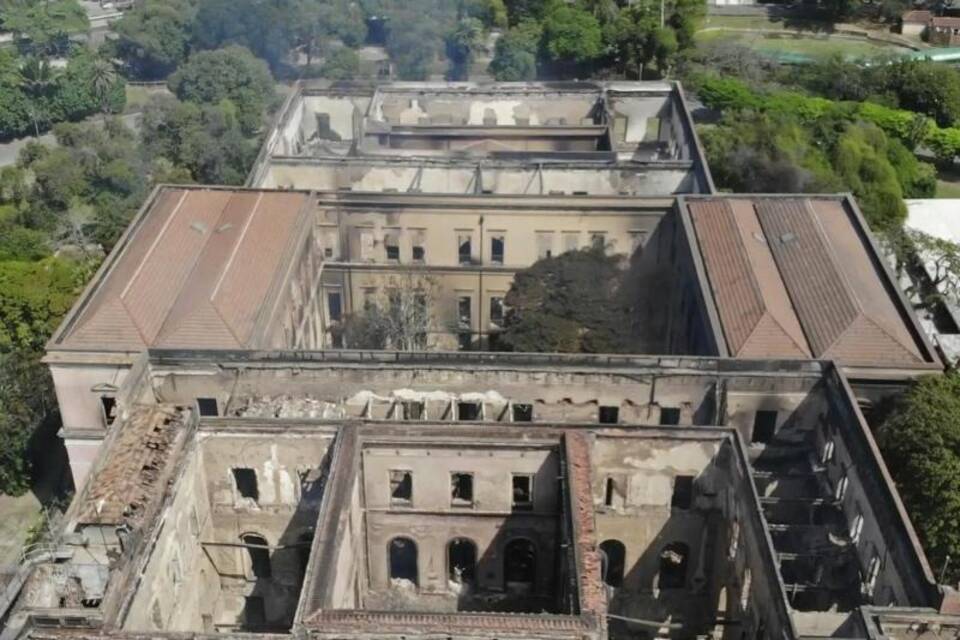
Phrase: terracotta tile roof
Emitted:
{"points": [[195, 273], [781, 288], [922, 17], [132, 476], [946, 21]]}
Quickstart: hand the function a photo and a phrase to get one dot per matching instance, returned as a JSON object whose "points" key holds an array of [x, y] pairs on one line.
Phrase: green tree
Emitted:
{"points": [[341, 64], [569, 303], [265, 27], [462, 45], [571, 35], [231, 73], [43, 28], [515, 54], [36, 79], [26, 399], [153, 38], [926, 87], [861, 161], [920, 441]]}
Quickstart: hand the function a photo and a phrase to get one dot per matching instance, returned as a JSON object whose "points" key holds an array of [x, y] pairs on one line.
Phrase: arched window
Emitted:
{"points": [[673, 566], [462, 560], [403, 560], [259, 552], [519, 565], [614, 556]]}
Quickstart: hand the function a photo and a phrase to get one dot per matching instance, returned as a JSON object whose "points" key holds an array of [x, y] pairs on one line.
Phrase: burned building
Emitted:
{"points": [[242, 469], [338, 493]]}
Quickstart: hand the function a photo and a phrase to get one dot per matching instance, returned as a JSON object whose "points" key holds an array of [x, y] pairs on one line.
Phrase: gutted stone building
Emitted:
{"points": [[334, 494], [242, 469]]}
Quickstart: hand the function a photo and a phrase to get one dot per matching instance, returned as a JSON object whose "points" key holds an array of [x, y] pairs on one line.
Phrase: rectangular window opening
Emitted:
{"points": [[246, 481], [109, 404], [608, 493], [464, 311], [522, 493], [496, 249], [461, 489], [465, 341], [522, 412], [464, 249], [393, 252], [468, 411], [682, 492], [764, 427], [334, 306], [669, 416], [608, 415], [418, 253], [207, 407], [412, 410], [496, 311], [401, 487]]}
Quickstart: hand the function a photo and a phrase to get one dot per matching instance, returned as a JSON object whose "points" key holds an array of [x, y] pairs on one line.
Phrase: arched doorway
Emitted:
{"points": [[614, 556], [673, 566], [462, 560], [403, 560], [519, 565], [259, 552]]}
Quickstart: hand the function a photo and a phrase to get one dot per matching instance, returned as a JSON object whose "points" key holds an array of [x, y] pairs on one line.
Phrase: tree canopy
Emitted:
{"points": [[920, 441], [569, 303], [231, 73], [153, 38]]}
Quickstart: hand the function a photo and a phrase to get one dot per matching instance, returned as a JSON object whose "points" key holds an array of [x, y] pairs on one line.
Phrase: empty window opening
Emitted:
{"points": [[745, 590], [610, 489], [392, 247], [682, 492], [519, 565], [208, 407], [464, 310], [461, 489], [109, 405], [856, 528], [828, 449], [734, 540], [673, 566], [669, 415], [418, 253], [401, 487], [334, 306], [522, 493], [609, 415], [522, 412], [464, 249], [496, 249], [764, 427], [411, 410], [496, 311], [246, 481], [873, 572], [462, 560], [841, 488], [613, 554], [468, 411], [598, 241], [259, 554], [403, 560], [465, 341]]}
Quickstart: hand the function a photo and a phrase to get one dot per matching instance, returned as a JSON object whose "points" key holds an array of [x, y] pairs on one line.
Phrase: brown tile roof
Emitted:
{"points": [[793, 277], [195, 273], [946, 21], [921, 17], [132, 475]]}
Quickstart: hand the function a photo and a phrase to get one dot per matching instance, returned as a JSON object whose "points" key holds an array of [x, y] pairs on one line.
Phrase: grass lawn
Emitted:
{"points": [[138, 96], [813, 46]]}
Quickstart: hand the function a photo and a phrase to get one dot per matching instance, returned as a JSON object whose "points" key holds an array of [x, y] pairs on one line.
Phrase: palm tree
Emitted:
{"points": [[103, 78], [36, 79]]}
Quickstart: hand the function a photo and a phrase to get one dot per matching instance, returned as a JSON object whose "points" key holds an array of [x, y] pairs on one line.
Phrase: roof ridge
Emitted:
{"points": [[164, 329]]}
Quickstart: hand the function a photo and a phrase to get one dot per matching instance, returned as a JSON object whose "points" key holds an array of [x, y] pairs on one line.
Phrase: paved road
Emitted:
{"points": [[9, 150]]}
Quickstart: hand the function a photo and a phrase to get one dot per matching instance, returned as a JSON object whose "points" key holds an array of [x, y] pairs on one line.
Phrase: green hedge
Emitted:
{"points": [[911, 128]]}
